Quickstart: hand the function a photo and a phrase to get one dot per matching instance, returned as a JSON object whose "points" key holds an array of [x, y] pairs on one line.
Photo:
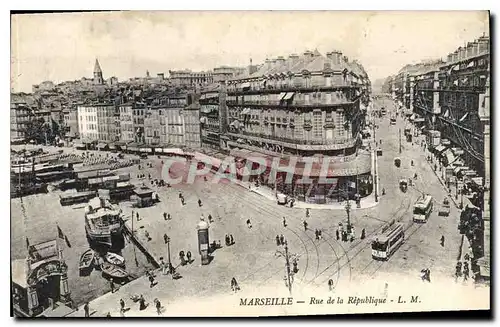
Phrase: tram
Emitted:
{"points": [[388, 241]]}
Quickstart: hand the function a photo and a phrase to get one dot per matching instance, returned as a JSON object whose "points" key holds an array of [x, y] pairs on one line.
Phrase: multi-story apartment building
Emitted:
{"points": [[126, 123], [209, 117], [138, 115], [70, 118], [451, 100], [302, 106], [191, 114], [20, 116], [97, 122], [152, 125], [190, 78]]}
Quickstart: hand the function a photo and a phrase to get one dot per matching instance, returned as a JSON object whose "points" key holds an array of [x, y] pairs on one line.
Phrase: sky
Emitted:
{"points": [[64, 46]]}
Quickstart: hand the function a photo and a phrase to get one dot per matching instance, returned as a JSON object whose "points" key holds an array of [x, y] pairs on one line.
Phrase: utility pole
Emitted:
{"points": [[166, 238], [400, 140], [288, 268], [348, 211]]}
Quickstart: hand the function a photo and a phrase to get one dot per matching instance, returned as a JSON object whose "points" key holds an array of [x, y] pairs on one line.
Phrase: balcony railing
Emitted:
{"points": [[292, 141], [295, 88], [294, 103]]}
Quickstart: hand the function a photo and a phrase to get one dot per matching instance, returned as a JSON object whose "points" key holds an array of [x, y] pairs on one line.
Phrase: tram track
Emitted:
{"points": [[258, 207]]}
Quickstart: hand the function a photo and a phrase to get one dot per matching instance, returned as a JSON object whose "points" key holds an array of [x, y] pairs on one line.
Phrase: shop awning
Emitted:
{"points": [[463, 117], [458, 169], [446, 114], [101, 145], [470, 172], [419, 120], [245, 85], [449, 156], [288, 96], [440, 148], [246, 111], [282, 95], [158, 150]]}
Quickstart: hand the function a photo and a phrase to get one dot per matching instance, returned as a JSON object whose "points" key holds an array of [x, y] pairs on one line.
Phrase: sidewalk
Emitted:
{"points": [[366, 202]]}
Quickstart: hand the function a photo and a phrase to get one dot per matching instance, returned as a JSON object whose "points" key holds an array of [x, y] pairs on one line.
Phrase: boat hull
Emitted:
{"points": [[113, 271]]}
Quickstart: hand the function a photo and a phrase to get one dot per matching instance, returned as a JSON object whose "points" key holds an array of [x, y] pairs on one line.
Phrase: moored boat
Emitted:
{"points": [[102, 221], [86, 259], [113, 270], [114, 259]]}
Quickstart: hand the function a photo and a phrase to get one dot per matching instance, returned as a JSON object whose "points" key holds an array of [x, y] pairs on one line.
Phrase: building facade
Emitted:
{"points": [[190, 78], [209, 117], [20, 116], [70, 117], [97, 122], [126, 123], [451, 100], [302, 106]]}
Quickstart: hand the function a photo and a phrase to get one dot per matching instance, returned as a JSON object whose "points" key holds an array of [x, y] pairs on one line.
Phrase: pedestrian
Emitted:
{"points": [[320, 235], [466, 273], [278, 240], [164, 216], [158, 306], [108, 315], [249, 224], [282, 240], [151, 281], [163, 266], [142, 303], [137, 215], [466, 257], [227, 240], [234, 285], [284, 222], [181, 257], [86, 309], [112, 285], [305, 225], [337, 234], [295, 266], [210, 219], [122, 307], [199, 203], [316, 234], [232, 239], [442, 240], [169, 217], [330, 284], [307, 213], [188, 255], [183, 202]]}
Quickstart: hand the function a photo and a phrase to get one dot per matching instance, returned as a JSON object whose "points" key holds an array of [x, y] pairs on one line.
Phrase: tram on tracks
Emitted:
{"points": [[388, 241]]}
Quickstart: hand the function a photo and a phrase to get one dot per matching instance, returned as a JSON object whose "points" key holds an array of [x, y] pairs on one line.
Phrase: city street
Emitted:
{"points": [[254, 261]]}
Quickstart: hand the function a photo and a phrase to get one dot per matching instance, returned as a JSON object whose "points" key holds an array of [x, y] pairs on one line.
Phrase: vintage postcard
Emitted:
{"points": [[244, 164]]}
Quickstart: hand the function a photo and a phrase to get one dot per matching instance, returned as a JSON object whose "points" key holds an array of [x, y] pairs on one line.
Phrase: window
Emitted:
{"points": [[317, 124]]}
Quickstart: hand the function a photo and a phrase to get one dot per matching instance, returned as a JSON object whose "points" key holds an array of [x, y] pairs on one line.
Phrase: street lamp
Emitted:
{"points": [[166, 238], [348, 211]]}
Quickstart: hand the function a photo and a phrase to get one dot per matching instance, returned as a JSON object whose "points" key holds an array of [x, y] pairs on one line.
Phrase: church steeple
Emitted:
{"points": [[98, 79]]}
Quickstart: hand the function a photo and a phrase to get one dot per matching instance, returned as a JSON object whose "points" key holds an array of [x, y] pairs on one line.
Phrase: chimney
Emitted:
{"points": [[470, 49], [475, 48], [483, 45]]}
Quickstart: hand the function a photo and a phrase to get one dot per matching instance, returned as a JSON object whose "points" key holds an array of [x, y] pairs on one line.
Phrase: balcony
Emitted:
{"points": [[295, 88], [307, 145], [296, 103]]}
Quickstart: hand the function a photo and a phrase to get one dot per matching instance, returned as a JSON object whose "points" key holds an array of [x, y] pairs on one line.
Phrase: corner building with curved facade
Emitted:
{"points": [[302, 106]]}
